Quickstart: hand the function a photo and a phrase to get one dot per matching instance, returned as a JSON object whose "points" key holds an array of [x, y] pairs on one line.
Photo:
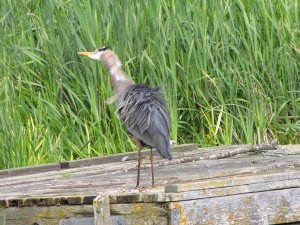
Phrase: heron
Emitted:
{"points": [[141, 108]]}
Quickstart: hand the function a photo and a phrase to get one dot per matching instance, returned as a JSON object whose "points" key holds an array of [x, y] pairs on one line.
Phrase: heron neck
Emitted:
{"points": [[119, 79], [120, 82]]}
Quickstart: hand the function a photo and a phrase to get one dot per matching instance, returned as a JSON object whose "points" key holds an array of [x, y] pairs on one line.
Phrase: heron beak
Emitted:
{"points": [[92, 55], [86, 53]]}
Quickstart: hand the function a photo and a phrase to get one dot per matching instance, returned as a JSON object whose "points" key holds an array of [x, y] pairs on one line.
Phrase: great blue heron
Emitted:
{"points": [[141, 108]]}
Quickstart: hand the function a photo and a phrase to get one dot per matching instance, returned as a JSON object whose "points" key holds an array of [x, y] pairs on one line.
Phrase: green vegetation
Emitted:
{"points": [[229, 69]]}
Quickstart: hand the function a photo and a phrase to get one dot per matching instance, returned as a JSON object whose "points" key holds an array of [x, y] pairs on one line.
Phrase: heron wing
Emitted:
{"points": [[144, 114]]}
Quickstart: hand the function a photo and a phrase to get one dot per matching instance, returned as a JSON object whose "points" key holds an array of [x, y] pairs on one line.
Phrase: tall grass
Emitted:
{"points": [[229, 69]]}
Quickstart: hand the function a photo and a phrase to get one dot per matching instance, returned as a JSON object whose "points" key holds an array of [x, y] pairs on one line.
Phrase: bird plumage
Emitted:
{"points": [[143, 111]]}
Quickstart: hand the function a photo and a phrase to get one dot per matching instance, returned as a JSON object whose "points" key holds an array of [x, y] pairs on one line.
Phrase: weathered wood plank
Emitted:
{"points": [[88, 181], [31, 169], [86, 162], [261, 208], [119, 157], [102, 210], [238, 180], [203, 192], [206, 173], [51, 215], [190, 185], [78, 221], [142, 213], [49, 201], [95, 171], [76, 168]]}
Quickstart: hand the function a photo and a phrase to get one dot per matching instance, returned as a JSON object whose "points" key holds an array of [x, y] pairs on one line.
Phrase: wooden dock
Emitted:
{"points": [[225, 185]]}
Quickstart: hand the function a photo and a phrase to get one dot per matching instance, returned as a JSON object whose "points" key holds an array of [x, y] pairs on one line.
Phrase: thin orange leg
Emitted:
{"points": [[139, 159]]}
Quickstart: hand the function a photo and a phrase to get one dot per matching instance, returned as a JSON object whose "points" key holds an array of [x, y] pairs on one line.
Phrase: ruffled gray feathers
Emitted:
{"points": [[143, 111]]}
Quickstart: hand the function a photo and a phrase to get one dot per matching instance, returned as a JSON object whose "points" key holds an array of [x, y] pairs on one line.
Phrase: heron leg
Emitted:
{"points": [[139, 159], [152, 171]]}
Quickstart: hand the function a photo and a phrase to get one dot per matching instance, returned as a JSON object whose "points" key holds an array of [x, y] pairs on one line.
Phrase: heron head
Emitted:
{"points": [[97, 54]]}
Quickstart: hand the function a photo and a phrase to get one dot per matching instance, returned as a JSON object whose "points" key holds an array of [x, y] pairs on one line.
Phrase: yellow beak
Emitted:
{"points": [[86, 53]]}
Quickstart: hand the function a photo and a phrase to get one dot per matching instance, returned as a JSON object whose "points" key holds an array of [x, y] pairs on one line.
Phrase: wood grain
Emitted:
{"points": [[220, 178]]}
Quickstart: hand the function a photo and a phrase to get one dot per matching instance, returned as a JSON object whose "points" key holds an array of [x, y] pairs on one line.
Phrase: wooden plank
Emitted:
{"points": [[202, 194], [232, 181], [86, 162], [142, 213], [214, 187], [88, 181], [89, 184], [205, 189], [99, 170], [127, 156], [144, 197], [29, 170], [185, 174], [235, 190], [102, 210], [51, 215], [67, 174], [211, 169], [49, 201], [260, 208], [189, 183], [78, 221]]}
